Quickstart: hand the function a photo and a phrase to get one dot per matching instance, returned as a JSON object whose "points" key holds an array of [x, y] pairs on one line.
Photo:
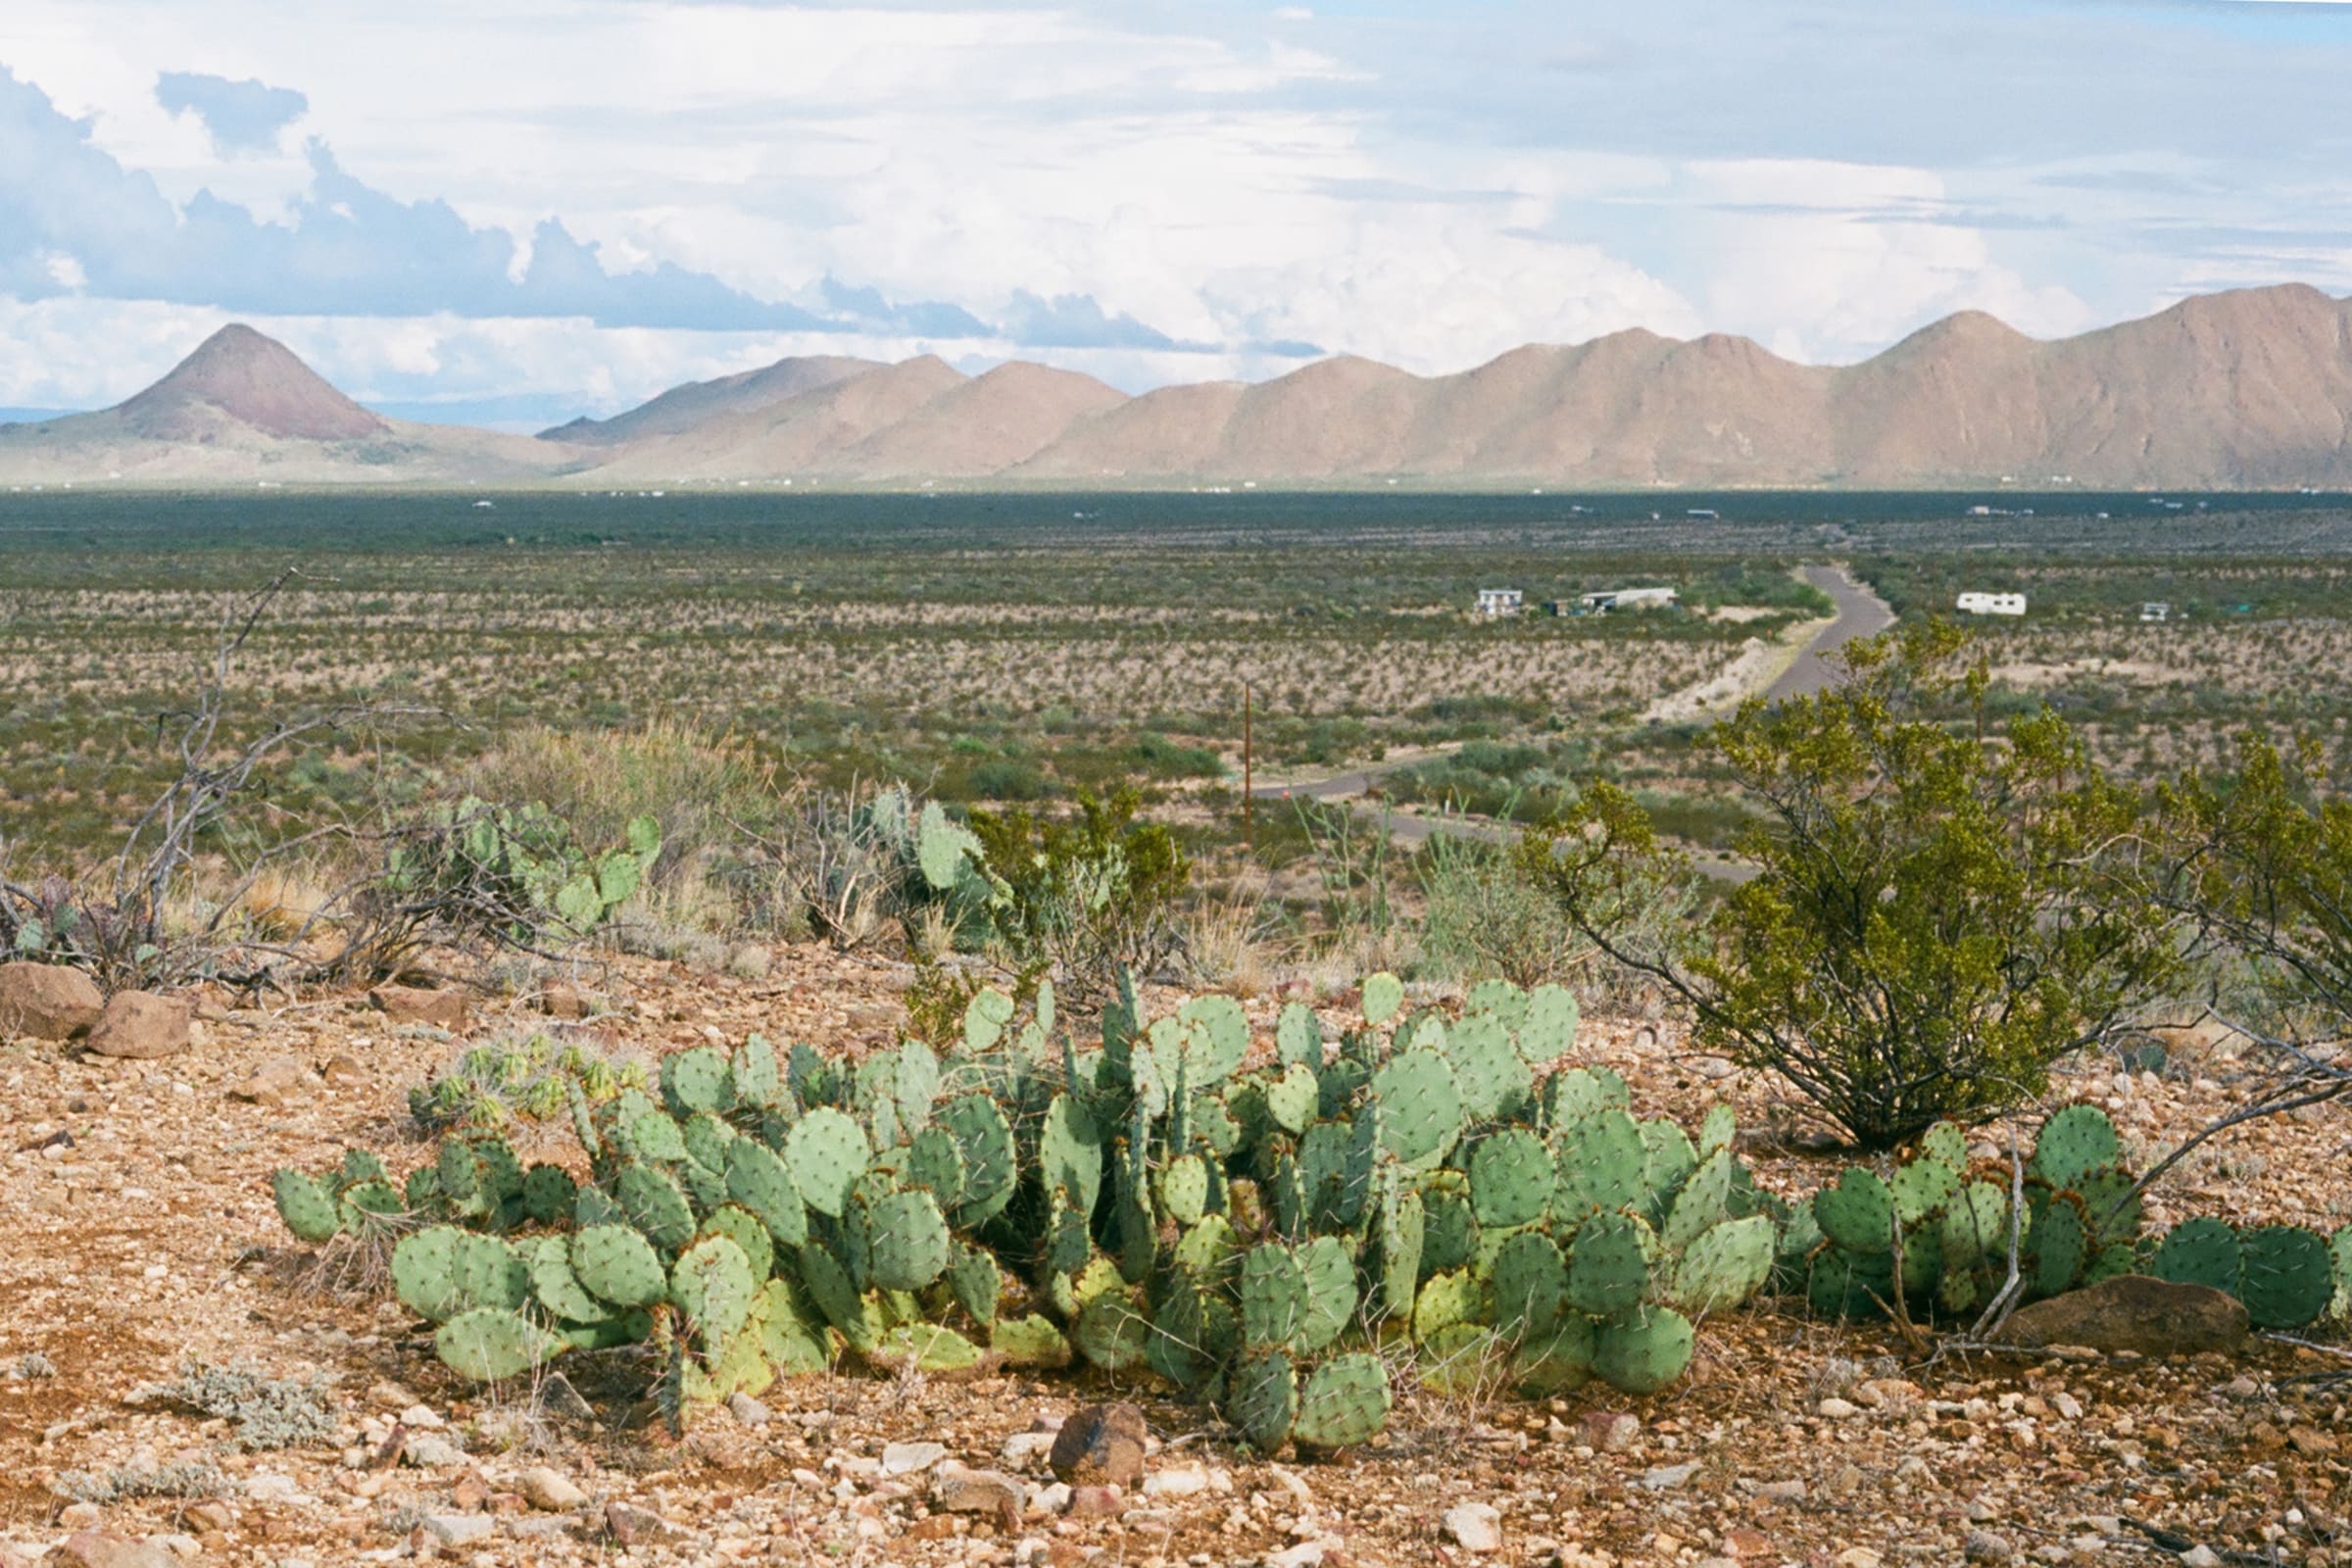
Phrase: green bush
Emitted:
{"points": [[1939, 913], [1088, 897]]}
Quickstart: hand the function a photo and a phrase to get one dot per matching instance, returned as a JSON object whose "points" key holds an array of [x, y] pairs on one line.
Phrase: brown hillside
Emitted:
{"points": [[985, 427], [240, 378], [681, 408]]}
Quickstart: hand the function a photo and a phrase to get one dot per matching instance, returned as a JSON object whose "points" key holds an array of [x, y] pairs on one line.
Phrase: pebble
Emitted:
{"points": [[905, 1458], [1305, 1554], [550, 1490], [1837, 1409], [1983, 1545], [1053, 1498], [1028, 1448], [958, 1490], [1475, 1527], [1611, 1431], [1782, 1492], [429, 1452], [1102, 1444], [748, 1410], [459, 1529], [2200, 1558], [1096, 1503], [630, 1525], [1666, 1477]]}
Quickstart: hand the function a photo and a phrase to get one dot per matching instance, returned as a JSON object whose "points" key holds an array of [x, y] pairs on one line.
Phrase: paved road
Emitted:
{"points": [[1860, 613]]}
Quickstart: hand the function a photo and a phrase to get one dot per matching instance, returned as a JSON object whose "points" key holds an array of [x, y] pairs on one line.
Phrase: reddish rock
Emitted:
{"points": [[274, 1082], [47, 1001], [2135, 1314], [92, 1550], [1096, 1503], [560, 999], [140, 1025], [443, 1009], [956, 1490], [631, 1526], [1099, 1446]]}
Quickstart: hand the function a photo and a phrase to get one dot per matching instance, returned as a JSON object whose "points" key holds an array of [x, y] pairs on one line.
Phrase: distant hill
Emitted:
{"points": [[2250, 388]]}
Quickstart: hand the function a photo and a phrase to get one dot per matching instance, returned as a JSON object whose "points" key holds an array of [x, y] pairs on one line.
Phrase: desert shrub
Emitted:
{"points": [[1939, 915], [1086, 897], [491, 1086], [267, 1412], [186, 1481], [853, 869], [1485, 915], [702, 788]]}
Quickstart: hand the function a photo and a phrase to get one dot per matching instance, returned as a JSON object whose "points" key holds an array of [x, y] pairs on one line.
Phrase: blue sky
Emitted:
{"points": [[520, 209]]}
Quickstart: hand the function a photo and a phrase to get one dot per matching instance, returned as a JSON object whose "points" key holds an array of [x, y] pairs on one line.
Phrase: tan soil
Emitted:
{"points": [[153, 1238]]}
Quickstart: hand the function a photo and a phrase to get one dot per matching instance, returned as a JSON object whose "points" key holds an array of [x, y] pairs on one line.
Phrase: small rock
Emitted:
{"points": [[141, 1026], [179, 1545], [748, 1410], [550, 1490], [443, 1009], [343, 1070], [1101, 1445], [1983, 1545], [1667, 1477], [1027, 1447], [905, 1458], [630, 1525], [1782, 1492], [1857, 1557], [1096, 1503], [80, 1516], [1183, 1480], [560, 1400], [1837, 1409], [2200, 1558], [1475, 1527], [427, 1451], [958, 1490], [1305, 1554], [2133, 1312], [1611, 1431], [421, 1418], [539, 1526], [274, 1083], [2241, 1387], [560, 999], [89, 1548], [212, 1515], [459, 1529], [47, 1002], [1051, 1499]]}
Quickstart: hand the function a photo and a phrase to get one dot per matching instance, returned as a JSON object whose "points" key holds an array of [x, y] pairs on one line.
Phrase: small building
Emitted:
{"points": [[1499, 601], [2156, 610], [1992, 604], [1608, 599]]}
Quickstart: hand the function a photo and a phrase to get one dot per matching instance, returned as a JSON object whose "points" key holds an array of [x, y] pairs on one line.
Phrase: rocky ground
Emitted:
{"points": [[138, 1239]]}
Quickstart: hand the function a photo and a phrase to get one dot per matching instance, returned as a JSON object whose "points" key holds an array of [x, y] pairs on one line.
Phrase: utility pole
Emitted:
{"points": [[1249, 780]]}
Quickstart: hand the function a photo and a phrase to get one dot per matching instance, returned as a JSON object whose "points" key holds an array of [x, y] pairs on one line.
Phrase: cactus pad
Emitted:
{"points": [[1642, 1351], [1421, 1105], [1111, 1333], [1530, 1286], [654, 1206], [490, 1344], [1262, 1398], [1346, 1402], [1510, 1179], [1293, 1098], [1486, 1067], [741, 1226], [906, 1240], [558, 1289], [697, 1079], [2199, 1251], [1384, 994], [1299, 1037], [1032, 1341], [1858, 1213], [2285, 1276], [308, 1211], [985, 1140], [1702, 1204], [1725, 1267], [617, 1265], [2074, 1143], [1329, 1272], [978, 1283], [1608, 1264], [1274, 1296], [1597, 1164], [1183, 1185], [826, 1152], [758, 1180]]}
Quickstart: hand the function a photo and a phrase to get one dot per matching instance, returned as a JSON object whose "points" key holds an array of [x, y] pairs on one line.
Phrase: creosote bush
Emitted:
{"points": [[1087, 897], [1938, 914]]}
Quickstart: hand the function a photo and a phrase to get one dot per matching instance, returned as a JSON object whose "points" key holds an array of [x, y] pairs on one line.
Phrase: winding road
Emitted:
{"points": [[1860, 612]]}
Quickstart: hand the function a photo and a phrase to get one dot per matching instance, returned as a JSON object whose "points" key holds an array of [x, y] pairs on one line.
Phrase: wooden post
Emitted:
{"points": [[1249, 780]]}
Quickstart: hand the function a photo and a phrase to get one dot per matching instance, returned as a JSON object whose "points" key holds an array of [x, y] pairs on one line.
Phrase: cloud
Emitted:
{"points": [[241, 116], [1077, 320]]}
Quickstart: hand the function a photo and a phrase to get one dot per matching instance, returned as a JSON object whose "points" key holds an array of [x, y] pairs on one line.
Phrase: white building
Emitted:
{"points": [[1992, 604], [2156, 610], [1499, 601], [1608, 599]]}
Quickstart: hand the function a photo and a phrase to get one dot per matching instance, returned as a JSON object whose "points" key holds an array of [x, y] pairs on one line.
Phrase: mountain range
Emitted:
{"points": [[2251, 388]]}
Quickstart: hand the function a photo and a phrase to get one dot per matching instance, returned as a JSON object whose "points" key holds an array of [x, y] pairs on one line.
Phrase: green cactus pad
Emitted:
{"points": [[697, 1079], [1975, 1224], [835, 1295], [490, 1344], [555, 1286], [1402, 1225], [1510, 1179], [2285, 1276], [1858, 1213], [1492, 1078], [1717, 1130], [757, 1081], [2339, 1247], [2199, 1251], [1183, 1334], [617, 1265], [1608, 1264], [2074, 1143], [1030, 1341], [1294, 1099], [1262, 1398], [2109, 1205], [1210, 1251], [1530, 1286], [1461, 1360], [433, 1269], [1702, 1204], [1274, 1296], [1299, 1037], [1069, 1154], [906, 1240], [746, 1230], [1216, 1039], [935, 1163], [1183, 1185], [2061, 1247], [1346, 1402], [1454, 1297], [985, 1140], [1725, 1267], [1421, 1105], [924, 1347], [826, 1152], [654, 1136], [1921, 1189], [1597, 1165], [1945, 1144], [978, 1283], [1643, 1350], [1111, 1332], [1560, 1364], [654, 1205], [1500, 1000], [306, 1206], [1384, 994], [548, 1193], [1449, 1230], [1579, 1092], [1546, 1029], [713, 1284], [366, 1202], [758, 1180], [1328, 1269]]}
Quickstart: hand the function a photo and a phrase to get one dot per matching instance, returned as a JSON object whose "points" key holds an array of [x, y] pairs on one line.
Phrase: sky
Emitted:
{"points": [[516, 211]]}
